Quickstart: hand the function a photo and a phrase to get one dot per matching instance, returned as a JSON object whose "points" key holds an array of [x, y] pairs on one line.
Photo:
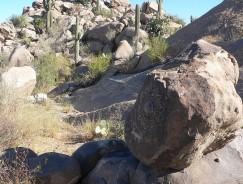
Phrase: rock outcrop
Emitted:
{"points": [[122, 90], [221, 26], [20, 57], [19, 81], [54, 168], [89, 154], [105, 33], [186, 109]]}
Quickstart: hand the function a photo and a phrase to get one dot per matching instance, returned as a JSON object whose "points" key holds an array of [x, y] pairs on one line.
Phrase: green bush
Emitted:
{"points": [[19, 21], [157, 26], [51, 69], [39, 22], [4, 60], [25, 40], [98, 66], [160, 26], [157, 49]]}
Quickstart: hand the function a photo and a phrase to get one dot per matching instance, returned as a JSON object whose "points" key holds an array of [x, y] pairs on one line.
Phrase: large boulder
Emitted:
{"points": [[104, 33], [219, 167], [37, 4], [219, 26], [20, 57], [54, 168], [116, 168], [128, 34], [151, 7], [116, 3], [16, 156], [124, 51], [126, 66], [187, 110], [8, 30], [19, 81], [89, 154], [28, 33]]}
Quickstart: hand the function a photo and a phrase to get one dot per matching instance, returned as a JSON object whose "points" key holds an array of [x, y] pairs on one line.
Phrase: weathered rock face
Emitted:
{"points": [[151, 7], [104, 33], [116, 168], [124, 51], [116, 3], [220, 167], [188, 110], [8, 30], [19, 80], [128, 34], [15, 156], [89, 154], [20, 57], [219, 26], [55, 168], [119, 88]]}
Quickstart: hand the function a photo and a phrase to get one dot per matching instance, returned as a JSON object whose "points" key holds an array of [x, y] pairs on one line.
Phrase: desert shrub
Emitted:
{"points": [[51, 69], [104, 13], [16, 171], [24, 124], [160, 26], [157, 26], [25, 40], [19, 21], [8, 129], [4, 60], [97, 67], [40, 23], [157, 49]]}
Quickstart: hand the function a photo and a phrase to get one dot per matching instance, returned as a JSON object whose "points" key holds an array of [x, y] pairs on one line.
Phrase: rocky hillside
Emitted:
{"points": [[221, 26], [106, 35], [175, 118]]}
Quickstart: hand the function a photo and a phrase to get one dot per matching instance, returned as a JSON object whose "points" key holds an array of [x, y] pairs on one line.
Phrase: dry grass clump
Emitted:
{"points": [[8, 131], [16, 171], [22, 122]]}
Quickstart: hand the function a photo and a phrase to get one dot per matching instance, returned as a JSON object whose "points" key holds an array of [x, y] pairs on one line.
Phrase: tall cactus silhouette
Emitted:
{"points": [[137, 20], [160, 8], [98, 6], [77, 38], [48, 5]]}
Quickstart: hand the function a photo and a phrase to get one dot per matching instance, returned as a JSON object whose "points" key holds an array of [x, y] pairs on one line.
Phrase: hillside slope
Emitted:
{"points": [[222, 26]]}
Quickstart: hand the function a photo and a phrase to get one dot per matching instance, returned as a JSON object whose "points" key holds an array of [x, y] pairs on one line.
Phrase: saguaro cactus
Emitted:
{"points": [[137, 20], [160, 8], [48, 5], [77, 38], [98, 6]]}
